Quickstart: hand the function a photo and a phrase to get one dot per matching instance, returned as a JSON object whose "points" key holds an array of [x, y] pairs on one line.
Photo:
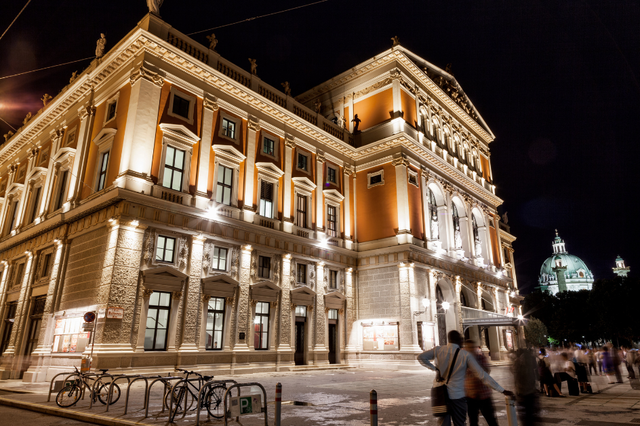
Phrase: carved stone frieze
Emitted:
{"points": [[142, 72], [147, 249], [183, 253], [235, 263]]}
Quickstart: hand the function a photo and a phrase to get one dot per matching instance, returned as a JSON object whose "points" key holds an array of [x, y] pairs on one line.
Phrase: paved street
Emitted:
{"points": [[341, 397]]}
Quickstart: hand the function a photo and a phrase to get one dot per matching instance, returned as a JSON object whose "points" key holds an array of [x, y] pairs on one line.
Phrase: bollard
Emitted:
{"points": [[278, 403], [512, 418], [373, 409]]}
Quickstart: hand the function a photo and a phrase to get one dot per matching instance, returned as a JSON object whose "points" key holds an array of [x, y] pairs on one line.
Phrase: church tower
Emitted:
{"points": [[621, 270]]}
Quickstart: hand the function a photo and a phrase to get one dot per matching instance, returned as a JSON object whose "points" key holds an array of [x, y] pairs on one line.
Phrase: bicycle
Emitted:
{"points": [[185, 393], [72, 391]]}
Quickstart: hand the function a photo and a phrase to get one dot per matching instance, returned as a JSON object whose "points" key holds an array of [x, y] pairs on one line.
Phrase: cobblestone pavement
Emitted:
{"points": [[341, 397]]}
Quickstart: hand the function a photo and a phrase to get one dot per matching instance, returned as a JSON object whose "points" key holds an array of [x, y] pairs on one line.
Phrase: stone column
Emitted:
{"points": [[249, 210], [202, 329], [404, 224], [284, 348], [320, 234], [500, 309], [350, 313], [41, 357], [320, 350], [458, 287], [145, 295], [408, 327], [432, 277], [140, 132], [47, 188], [444, 215], [210, 105], [289, 145], [397, 90], [483, 341], [24, 200], [192, 297], [87, 115], [243, 313], [346, 183]]}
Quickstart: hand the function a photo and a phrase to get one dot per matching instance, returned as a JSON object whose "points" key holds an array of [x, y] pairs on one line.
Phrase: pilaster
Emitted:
{"points": [[320, 350], [404, 224], [346, 183], [243, 312], [192, 298], [408, 327], [350, 312], [320, 234], [289, 145], [210, 105], [458, 307], [249, 169], [87, 115]]}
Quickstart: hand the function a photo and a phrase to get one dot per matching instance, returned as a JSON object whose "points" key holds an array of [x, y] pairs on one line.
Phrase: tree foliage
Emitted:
{"points": [[535, 332], [607, 312]]}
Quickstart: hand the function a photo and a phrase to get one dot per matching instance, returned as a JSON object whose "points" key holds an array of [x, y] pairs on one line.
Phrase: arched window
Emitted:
{"points": [[457, 237], [463, 299], [433, 215]]}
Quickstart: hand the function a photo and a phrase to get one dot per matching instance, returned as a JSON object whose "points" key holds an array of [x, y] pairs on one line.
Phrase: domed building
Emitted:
{"points": [[563, 271]]}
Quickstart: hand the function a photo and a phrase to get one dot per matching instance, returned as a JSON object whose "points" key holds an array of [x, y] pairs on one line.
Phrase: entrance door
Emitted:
{"points": [[333, 342], [35, 321], [299, 356]]}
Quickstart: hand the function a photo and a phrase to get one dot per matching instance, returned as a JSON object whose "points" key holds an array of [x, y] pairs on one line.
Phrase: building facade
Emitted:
{"points": [[212, 221], [563, 271]]}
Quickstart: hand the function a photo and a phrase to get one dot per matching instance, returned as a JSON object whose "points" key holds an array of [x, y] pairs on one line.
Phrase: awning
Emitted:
{"points": [[477, 317]]}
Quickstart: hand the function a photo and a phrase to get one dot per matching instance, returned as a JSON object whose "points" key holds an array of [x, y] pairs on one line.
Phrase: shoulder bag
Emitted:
{"points": [[439, 394]]}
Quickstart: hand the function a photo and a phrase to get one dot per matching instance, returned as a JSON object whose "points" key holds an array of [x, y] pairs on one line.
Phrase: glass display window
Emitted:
{"points": [[380, 337], [68, 336]]}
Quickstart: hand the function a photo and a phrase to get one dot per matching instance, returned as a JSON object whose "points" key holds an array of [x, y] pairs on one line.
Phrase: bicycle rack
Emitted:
{"points": [[207, 385], [243, 385], [196, 379], [121, 376], [165, 381], [69, 374], [146, 386], [93, 387]]}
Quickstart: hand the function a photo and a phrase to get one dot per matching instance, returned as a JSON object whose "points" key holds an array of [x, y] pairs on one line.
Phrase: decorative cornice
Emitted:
{"points": [[211, 102], [147, 74]]}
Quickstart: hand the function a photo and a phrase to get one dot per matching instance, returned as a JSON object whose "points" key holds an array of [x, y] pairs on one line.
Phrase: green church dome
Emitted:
{"points": [[577, 275], [576, 268]]}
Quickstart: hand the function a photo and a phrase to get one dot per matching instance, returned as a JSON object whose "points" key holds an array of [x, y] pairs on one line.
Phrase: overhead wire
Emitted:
{"points": [[46, 68], [14, 19]]}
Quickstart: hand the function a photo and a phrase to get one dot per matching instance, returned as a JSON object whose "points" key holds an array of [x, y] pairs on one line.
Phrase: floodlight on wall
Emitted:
{"points": [[446, 306], [425, 305]]}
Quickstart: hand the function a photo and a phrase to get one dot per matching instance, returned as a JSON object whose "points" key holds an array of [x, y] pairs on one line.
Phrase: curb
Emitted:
{"points": [[74, 415]]}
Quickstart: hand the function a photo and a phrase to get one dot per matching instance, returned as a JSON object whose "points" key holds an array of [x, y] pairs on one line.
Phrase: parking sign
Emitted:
{"points": [[247, 404]]}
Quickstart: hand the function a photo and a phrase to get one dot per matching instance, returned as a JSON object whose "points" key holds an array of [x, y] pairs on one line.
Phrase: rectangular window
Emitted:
{"points": [[413, 179], [380, 337], [264, 267], [225, 185], [266, 199], [375, 179], [215, 323], [301, 211], [333, 279], [261, 326], [219, 261], [111, 110], [302, 273], [302, 162], [181, 106], [331, 175], [19, 275], [34, 205], [46, 265], [102, 177], [14, 214], [165, 249], [173, 169], [62, 190], [331, 221], [268, 147], [71, 136], [155, 335], [301, 311], [8, 326], [333, 314], [228, 128]]}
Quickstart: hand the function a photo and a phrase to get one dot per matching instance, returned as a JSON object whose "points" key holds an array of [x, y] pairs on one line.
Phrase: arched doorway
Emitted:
{"points": [[442, 322]]}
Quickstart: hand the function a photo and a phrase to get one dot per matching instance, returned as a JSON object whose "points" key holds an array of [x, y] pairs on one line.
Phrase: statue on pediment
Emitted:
{"points": [[213, 41], [154, 6], [100, 46], [254, 66]]}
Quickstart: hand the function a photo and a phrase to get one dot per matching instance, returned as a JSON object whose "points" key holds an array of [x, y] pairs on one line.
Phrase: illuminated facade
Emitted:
{"points": [[211, 220], [563, 271]]}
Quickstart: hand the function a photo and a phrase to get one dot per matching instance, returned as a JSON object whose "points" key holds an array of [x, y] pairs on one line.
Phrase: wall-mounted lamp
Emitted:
{"points": [[425, 305]]}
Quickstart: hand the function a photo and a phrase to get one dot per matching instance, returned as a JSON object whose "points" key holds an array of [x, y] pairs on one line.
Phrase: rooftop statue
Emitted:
{"points": [[318, 106], [154, 6], [74, 75], [213, 41], [100, 45], [287, 88], [396, 41], [357, 121], [45, 99], [254, 66]]}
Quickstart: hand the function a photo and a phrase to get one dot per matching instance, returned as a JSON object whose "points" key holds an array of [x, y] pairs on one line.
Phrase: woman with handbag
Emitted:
{"points": [[448, 394]]}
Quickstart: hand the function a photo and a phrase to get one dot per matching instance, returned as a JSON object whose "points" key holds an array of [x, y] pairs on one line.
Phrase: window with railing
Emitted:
{"points": [[266, 199], [332, 221], [215, 323], [301, 211], [224, 187], [261, 326], [173, 168]]}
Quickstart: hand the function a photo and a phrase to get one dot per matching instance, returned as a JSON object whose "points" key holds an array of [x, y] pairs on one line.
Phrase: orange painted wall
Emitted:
{"points": [[119, 123], [409, 109], [374, 109], [495, 247], [377, 212], [485, 168], [352, 205], [415, 211]]}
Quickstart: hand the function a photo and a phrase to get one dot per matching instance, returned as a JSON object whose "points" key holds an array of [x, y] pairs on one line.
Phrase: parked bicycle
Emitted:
{"points": [[98, 389], [186, 393]]}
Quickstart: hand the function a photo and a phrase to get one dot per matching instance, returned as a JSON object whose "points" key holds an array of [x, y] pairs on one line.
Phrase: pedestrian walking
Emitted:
{"points": [[444, 357], [568, 375], [592, 361], [617, 360], [544, 373], [630, 360], [525, 370], [478, 394], [607, 365]]}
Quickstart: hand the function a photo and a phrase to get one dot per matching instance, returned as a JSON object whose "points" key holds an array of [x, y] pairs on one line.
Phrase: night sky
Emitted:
{"points": [[557, 82]]}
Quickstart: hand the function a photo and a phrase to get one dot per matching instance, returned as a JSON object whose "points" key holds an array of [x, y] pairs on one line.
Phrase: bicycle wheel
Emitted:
{"points": [[215, 401], [68, 396], [103, 393], [182, 399]]}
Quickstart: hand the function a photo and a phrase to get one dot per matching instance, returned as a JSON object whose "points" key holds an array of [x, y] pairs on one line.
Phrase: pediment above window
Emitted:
{"points": [[265, 291], [334, 300], [303, 296], [228, 153], [105, 136], [333, 195], [179, 133], [220, 285], [37, 175], [304, 183], [164, 278], [270, 170]]}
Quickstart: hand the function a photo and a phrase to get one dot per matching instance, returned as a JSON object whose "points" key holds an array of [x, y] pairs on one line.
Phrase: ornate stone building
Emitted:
{"points": [[212, 221]]}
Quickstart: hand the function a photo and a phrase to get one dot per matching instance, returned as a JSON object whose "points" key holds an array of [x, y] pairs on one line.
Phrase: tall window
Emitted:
{"points": [[266, 199], [301, 211], [62, 189], [331, 221], [155, 335], [261, 326], [215, 323], [173, 169], [111, 110], [333, 279], [8, 326], [302, 273], [19, 276], [264, 267], [46, 266], [331, 175], [34, 205], [228, 128], [219, 261], [456, 226], [433, 216], [225, 185], [474, 223], [268, 147], [302, 162], [14, 214], [102, 177], [165, 249]]}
